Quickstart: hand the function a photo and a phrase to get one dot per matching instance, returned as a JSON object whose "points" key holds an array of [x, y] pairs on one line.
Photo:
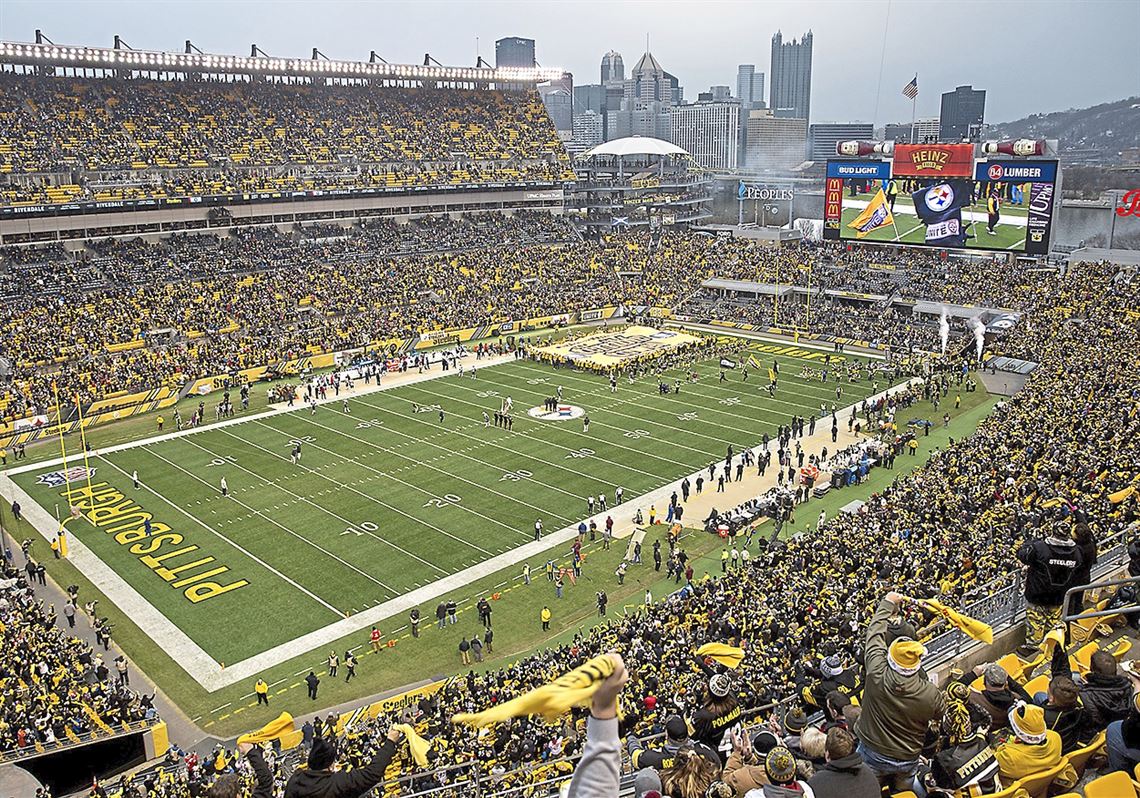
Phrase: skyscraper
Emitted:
{"points": [[962, 112], [647, 96], [514, 52], [710, 131], [791, 77], [773, 144], [749, 87], [822, 138], [612, 67]]}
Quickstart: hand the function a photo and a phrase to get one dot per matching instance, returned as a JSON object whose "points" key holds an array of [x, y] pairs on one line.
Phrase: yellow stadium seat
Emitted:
{"points": [[1012, 666], [1014, 790], [1079, 759], [1080, 660], [1114, 785], [1038, 684], [1037, 784]]}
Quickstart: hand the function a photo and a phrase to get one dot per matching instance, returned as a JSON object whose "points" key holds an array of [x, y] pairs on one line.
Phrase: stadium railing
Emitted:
{"points": [[95, 736], [1002, 603]]}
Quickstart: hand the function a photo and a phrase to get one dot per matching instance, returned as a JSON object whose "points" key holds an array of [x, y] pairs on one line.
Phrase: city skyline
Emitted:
{"points": [[702, 49]]}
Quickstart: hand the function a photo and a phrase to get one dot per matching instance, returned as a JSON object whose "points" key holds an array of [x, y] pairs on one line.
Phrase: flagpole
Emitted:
{"points": [[913, 105]]}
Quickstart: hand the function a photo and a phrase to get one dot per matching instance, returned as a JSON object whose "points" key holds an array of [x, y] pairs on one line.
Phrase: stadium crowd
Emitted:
{"points": [[822, 618], [56, 688], [131, 315], [100, 140]]}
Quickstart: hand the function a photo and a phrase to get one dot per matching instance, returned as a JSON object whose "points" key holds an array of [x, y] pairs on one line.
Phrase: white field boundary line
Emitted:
{"points": [[390, 381], [758, 335], [212, 677]]}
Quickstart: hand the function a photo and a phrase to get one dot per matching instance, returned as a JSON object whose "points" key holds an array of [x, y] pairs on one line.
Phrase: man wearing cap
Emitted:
{"points": [[320, 780], [998, 694], [1032, 749], [1051, 568], [831, 675], [676, 736], [899, 701]]}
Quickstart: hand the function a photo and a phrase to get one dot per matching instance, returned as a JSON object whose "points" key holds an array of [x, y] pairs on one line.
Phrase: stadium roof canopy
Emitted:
{"points": [[124, 61], [635, 145]]}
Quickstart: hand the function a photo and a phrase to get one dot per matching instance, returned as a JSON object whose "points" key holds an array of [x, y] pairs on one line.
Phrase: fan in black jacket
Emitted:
{"points": [[319, 780]]}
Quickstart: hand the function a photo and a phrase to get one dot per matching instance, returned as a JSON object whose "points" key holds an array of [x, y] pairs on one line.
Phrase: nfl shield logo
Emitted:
{"points": [[55, 479]]}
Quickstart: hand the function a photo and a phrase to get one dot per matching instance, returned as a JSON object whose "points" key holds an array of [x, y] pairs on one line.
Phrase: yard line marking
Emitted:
{"points": [[322, 508], [569, 431], [219, 709], [257, 512], [442, 471], [513, 452], [373, 499], [218, 534]]}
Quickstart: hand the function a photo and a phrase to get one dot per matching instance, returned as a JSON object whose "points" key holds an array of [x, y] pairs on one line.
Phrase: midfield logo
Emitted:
{"points": [[1131, 204]]}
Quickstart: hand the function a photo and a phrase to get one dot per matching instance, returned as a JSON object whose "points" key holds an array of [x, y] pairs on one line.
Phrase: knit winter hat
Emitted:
{"points": [[905, 656], [780, 766], [1028, 722], [322, 755], [831, 666], [795, 720], [646, 781]]}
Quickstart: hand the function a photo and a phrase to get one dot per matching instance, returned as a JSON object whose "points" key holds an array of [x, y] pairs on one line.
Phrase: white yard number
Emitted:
{"points": [[445, 500], [536, 381], [580, 453], [487, 394], [370, 423], [360, 529], [302, 439], [687, 417], [218, 461], [731, 400], [637, 433], [515, 476]]}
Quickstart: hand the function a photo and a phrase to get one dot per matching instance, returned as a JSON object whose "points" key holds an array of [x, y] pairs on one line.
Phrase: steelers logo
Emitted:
{"points": [[939, 197]]}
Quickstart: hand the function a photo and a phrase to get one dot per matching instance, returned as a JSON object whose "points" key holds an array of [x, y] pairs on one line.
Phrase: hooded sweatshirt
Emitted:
{"points": [[846, 777]]}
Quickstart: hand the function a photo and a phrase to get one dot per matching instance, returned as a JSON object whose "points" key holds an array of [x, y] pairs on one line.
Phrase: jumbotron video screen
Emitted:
{"points": [[939, 195]]}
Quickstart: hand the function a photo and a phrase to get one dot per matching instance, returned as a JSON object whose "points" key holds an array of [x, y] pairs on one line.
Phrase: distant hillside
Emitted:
{"points": [[1103, 130]]}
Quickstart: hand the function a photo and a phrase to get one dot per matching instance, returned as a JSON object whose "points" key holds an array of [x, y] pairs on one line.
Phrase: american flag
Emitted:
{"points": [[910, 90]]}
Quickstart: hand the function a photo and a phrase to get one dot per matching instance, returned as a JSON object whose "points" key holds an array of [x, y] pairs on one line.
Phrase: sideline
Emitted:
{"points": [[210, 675]]}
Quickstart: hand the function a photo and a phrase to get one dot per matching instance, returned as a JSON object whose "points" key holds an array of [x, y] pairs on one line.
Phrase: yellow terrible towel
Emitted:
{"points": [[418, 744], [552, 700], [728, 656], [972, 627], [270, 731]]}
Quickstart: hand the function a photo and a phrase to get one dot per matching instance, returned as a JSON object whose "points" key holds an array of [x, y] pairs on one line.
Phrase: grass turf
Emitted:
{"points": [[637, 439]]}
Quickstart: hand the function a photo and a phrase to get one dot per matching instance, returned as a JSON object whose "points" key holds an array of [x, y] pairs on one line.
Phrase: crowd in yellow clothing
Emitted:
{"points": [[1055, 455], [131, 315], [106, 139]]}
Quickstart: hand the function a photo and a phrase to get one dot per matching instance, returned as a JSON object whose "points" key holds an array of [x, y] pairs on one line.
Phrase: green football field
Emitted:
{"points": [[385, 500], [908, 229]]}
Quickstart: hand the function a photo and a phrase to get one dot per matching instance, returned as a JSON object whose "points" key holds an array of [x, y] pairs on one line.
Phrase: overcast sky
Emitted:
{"points": [[1030, 55]]}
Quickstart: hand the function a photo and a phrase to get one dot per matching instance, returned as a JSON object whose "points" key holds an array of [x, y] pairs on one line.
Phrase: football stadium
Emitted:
{"points": [[365, 430]]}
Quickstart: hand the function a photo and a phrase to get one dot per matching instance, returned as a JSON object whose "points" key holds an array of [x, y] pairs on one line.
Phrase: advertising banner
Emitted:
{"points": [[934, 160]]}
